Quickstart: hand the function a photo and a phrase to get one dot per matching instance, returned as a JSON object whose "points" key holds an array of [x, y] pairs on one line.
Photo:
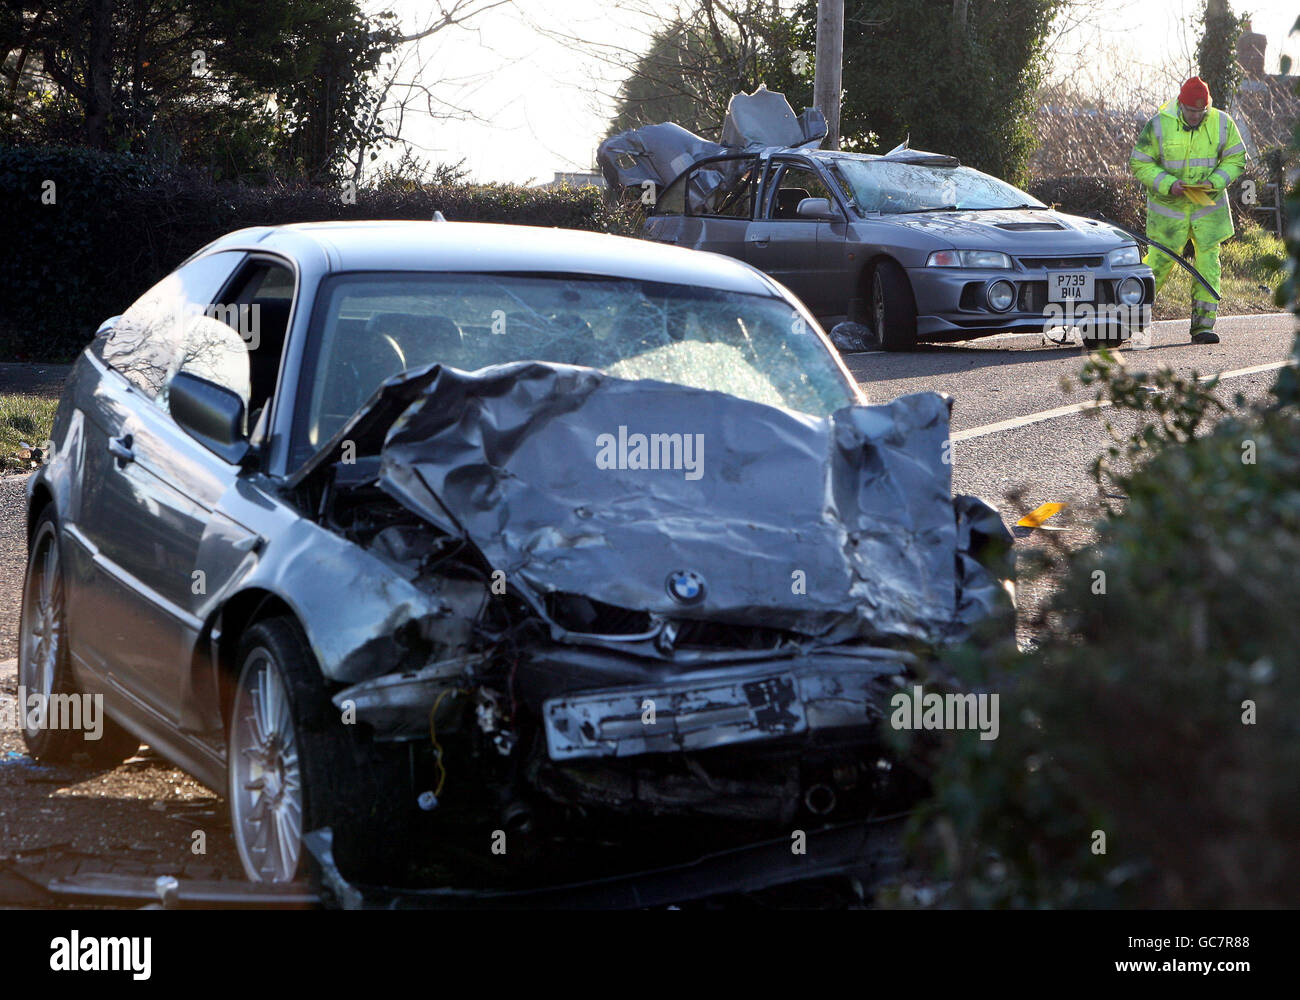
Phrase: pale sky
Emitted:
{"points": [[542, 103]]}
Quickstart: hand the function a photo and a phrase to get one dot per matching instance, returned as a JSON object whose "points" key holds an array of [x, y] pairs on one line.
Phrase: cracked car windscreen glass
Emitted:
{"points": [[893, 188], [369, 327]]}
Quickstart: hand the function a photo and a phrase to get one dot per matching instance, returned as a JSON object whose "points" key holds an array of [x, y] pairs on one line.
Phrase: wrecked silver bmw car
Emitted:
{"points": [[911, 245], [457, 555]]}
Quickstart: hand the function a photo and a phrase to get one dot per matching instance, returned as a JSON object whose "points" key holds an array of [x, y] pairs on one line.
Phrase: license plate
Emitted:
{"points": [[1069, 286]]}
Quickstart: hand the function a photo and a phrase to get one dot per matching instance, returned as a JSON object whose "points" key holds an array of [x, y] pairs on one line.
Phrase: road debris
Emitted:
{"points": [[1040, 515]]}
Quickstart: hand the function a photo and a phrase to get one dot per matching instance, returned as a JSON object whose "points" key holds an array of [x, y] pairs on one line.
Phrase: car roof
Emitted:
{"points": [[413, 245]]}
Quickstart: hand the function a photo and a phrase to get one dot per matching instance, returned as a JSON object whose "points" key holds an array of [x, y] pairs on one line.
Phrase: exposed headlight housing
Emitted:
{"points": [[1130, 292], [1125, 257], [968, 258], [1001, 295]]}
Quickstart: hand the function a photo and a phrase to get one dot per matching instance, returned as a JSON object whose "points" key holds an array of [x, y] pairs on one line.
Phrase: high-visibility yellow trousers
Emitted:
{"points": [[1175, 233]]}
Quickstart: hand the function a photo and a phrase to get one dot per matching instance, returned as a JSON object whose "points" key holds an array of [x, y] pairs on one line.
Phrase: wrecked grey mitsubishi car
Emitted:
{"points": [[467, 556], [912, 245]]}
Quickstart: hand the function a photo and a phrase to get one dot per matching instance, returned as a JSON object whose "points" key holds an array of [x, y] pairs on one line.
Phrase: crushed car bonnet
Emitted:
{"points": [[696, 504]]}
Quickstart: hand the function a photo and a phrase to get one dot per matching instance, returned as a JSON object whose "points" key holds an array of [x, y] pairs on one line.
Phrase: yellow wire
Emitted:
{"points": [[433, 737]]}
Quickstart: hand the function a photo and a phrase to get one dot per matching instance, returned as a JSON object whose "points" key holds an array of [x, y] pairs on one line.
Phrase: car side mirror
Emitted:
{"points": [[816, 208], [211, 414]]}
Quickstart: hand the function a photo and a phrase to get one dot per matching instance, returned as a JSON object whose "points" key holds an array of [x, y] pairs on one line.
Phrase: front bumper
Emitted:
{"points": [[717, 705], [723, 707], [950, 302]]}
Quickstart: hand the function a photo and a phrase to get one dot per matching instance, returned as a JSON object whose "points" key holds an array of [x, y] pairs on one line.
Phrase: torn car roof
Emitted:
{"points": [[659, 153], [765, 118]]}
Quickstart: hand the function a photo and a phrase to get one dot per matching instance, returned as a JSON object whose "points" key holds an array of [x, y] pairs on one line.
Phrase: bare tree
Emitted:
{"points": [[405, 87], [684, 60], [1106, 87]]}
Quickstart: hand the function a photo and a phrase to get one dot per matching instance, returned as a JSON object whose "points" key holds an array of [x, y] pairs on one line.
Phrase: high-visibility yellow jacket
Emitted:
{"points": [[1212, 153]]}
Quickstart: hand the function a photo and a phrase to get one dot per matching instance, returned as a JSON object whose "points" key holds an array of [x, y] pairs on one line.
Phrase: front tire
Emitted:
{"points": [[293, 766], [893, 308], [1109, 339], [43, 662]]}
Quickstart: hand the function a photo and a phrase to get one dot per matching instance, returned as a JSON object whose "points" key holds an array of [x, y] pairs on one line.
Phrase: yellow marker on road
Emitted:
{"points": [[1040, 514]]}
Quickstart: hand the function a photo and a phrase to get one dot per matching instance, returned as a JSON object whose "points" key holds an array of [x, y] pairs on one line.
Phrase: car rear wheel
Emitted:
{"points": [[893, 309], [44, 671], [293, 767]]}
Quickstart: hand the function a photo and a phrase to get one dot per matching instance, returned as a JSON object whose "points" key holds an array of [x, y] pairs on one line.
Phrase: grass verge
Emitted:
{"points": [[25, 422], [1252, 269]]}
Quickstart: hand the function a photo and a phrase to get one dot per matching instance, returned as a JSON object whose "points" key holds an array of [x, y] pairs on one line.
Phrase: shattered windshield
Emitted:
{"points": [[369, 327], [895, 188]]}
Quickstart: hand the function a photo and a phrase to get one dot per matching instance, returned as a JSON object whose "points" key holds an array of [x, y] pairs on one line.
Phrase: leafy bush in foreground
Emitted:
{"points": [[1149, 745], [1160, 710]]}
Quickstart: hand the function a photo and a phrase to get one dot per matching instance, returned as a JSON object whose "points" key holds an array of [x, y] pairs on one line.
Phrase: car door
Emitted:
{"points": [[805, 255], [709, 207], [150, 490]]}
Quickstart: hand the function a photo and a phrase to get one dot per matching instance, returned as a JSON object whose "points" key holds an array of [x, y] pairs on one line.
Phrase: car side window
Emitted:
{"points": [[673, 199], [256, 307], [793, 185], [149, 341], [722, 189]]}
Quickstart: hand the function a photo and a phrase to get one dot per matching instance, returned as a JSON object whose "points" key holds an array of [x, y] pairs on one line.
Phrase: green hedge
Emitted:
{"points": [[117, 225], [1118, 198]]}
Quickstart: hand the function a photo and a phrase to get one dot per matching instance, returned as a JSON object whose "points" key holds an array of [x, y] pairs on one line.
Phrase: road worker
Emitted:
{"points": [[1186, 157]]}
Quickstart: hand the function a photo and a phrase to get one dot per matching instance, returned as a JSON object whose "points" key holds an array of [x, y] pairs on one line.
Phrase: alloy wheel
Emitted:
{"points": [[42, 625], [266, 799]]}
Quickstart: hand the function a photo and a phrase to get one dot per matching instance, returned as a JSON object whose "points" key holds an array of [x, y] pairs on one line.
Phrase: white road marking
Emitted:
{"points": [[1029, 418], [1155, 325], [1092, 404], [1039, 335]]}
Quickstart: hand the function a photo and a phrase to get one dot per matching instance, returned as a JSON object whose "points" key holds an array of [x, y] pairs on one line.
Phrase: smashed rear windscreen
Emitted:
{"points": [[894, 188], [368, 327]]}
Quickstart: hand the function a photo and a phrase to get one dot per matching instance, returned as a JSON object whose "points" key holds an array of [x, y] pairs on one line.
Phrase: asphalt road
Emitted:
{"points": [[999, 380], [1014, 448], [1009, 438]]}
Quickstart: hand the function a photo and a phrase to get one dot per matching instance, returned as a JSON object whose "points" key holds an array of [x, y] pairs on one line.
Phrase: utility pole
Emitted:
{"points": [[828, 72]]}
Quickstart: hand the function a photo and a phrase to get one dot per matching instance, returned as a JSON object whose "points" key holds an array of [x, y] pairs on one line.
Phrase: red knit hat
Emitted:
{"points": [[1195, 93]]}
